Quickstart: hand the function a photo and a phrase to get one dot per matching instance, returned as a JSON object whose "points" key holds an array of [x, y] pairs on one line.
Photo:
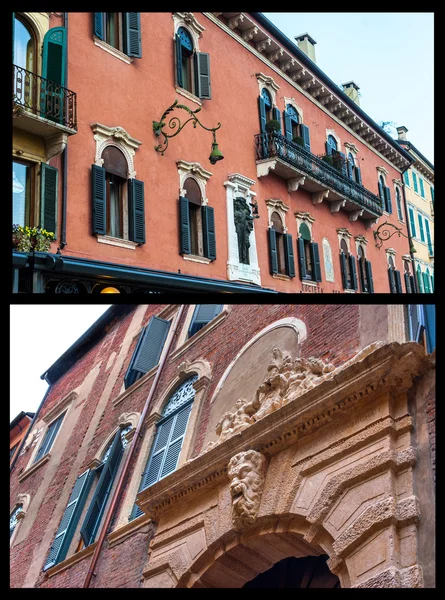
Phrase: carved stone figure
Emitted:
{"points": [[230, 423], [244, 226], [247, 472], [306, 373]]}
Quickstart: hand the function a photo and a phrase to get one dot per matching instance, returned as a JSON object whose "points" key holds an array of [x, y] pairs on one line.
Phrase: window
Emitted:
{"points": [[422, 189], [428, 238], [427, 281], [197, 223], [422, 233], [148, 350], [202, 315], [12, 451], [399, 205], [120, 30], [24, 47], [294, 130], [280, 248], [49, 438], [420, 279], [13, 519], [265, 106], [22, 193], [331, 145], [416, 189], [192, 68], [395, 282], [432, 195], [409, 279], [170, 433], [348, 267], [422, 324], [365, 271], [406, 178], [385, 195], [308, 255]]}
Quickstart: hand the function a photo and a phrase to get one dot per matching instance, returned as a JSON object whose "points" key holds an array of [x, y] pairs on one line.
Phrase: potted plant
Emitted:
{"points": [[26, 238], [328, 159], [273, 126], [298, 140]]}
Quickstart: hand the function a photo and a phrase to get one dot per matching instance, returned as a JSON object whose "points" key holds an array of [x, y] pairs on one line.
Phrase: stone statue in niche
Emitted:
{"points": [[247, 473], [244, 227]]}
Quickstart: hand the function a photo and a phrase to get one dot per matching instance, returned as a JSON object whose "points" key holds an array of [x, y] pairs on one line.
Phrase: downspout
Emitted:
{"points": [[410, 239], [65, 157], [137, 435]]}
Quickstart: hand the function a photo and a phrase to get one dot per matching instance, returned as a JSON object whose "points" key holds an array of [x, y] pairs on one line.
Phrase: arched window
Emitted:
{"points": [[194, 197], [115, 166], [395, 282], [331, 145], [291, 122], [13, 519], [385, 195], [266, 97], [277, 226], [197, 221], [24, 47], [170, 433], [185, 59], [345, 264], [382, 186], [308, 255], [361, 268], [399, 204], [351, 167]]}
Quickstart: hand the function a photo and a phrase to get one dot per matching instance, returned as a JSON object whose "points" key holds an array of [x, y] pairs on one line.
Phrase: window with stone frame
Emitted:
{"points": [[395, 282], [384, 192], [365, 271], [49, 438], [192, 67], [197, 223], [348, 267], [13, 520], [203, 314], [308, 255], [122, 31]]}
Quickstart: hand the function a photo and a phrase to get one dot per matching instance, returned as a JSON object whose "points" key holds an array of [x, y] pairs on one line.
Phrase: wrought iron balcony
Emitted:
{"points": [[310, 172], [42, 106]]}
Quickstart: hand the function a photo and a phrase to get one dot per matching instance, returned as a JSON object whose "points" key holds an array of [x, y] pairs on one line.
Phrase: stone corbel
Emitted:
{"points": [[326, 100], [247, 471], [235, 21], [297, 76], [335, 206], [317, 197], [355, 214], [286, 66], [249, 34], [274, 56], [370, 222], [263, 168], [263, 44], [294, 183], [55, 145]]}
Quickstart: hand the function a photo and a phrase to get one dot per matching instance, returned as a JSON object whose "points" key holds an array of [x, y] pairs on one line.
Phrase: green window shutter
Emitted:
{"points": [[101, 494], [398, 282], [344, 275], [287, 126], [406, 178], [48, 440], [392, 280], [416, 189], [353, 272], [208, 225], [136, 208], [422, 189], [73, 510], [301, 258], [428, 237], [422, 233], [412, 222], [306, 136], [184, 226], [262, 109], [277, 116], [387, 191], [426, 282], [203, 314], [48, 197], [54, 55], [315, 255], [368, 270], [273, 251], [289, 255], [98, 25], [420, 280], [178, 49], [99, 201], [132, 25], [202, 70], [432, 195], [407, 283], [358, 176], [149, 351], [430, 326]]}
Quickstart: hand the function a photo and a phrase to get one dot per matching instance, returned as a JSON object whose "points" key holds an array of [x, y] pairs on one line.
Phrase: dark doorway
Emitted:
{"points": [[308, 572]]}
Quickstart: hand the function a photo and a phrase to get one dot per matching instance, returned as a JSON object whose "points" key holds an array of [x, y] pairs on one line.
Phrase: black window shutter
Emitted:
{"points": [[99, 25], [99, 201], [413, 288], [178, 49], [392, 280], [388, 200], [349, 165], [398, 282], [344, 275], [407, 283], [202, 70], [132, 25], [203, 314], [131, 374], [262, 108], [353, 272], [287, 126], [289, 255], [306, 136], [277, 116], [151, 345], [301, 258], [358, 175], [136, 211], [62, 540], [343, 165], [208, 222], [382, 195], [97, 505], [273, 251], [368, 270], [48, 198], [184, 217], [315, 254]]}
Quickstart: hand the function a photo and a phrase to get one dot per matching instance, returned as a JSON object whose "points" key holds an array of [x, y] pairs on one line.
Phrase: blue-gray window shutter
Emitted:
{"points": [[99, 25], [273, 251], [208, 225], [382, 195], [416, 320], [149, 351], [392, 280], [368, 270], [398, 281], [430, 326], [48, 440], [344, 275], [289, 255], [315, 254], [407, 283], [287, 125], [301, 258], [202, 70], [306, 136], [133, 45], [412, 222], [328, 148], [203, 314], [184, 226], [358, 175], [178, 49], [277, 116], [73, 510], [422, 234], [99, 201], [136, 211], [412, 282], [428, 237], [426, 282], [97, 505], [343, 164], [350, 168], [387, 192], [262, 108], [353, 272], [48, 198]]}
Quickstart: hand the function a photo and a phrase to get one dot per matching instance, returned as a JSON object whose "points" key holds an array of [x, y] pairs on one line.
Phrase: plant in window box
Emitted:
{"points": [[42, 239], [273, 126], [327, 158], [26, 238], [21, 239], [298, 140]]}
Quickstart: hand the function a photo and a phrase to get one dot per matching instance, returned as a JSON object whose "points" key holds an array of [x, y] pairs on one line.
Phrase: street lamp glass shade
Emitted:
{"points": [[215, 154]]}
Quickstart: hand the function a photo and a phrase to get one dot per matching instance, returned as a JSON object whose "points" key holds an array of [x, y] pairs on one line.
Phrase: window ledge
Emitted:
{"points": [[34, 467], [68, 562], [309, 282], [199, 259], [201, 333], [349, 291], [122, 533], [281, 277], [111, 50], [113, 241], [188, 95]]}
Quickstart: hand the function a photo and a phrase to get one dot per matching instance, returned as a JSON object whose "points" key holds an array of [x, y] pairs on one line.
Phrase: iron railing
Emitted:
{"points": [[43, 98], [269, 145]]}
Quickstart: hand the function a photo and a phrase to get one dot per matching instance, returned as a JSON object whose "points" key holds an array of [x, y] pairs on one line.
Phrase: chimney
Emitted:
{"points": [[307, 45], [351, 89], [401, 132]]}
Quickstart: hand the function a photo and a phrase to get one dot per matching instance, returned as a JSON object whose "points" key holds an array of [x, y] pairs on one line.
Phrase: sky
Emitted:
{"points": [[389, 56], [39, 335]]}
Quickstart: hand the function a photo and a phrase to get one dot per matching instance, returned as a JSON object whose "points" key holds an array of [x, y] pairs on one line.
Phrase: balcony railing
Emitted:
{"points": [[275, 145], [44, 98]]}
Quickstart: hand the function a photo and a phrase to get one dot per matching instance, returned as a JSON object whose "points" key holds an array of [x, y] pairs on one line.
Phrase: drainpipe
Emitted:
{"points": [[64, 158], [137, 435], [410, 239]]}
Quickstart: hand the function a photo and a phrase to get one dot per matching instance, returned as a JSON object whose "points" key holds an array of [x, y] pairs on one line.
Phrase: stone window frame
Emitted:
{"points": [[184, 342], [118, 137], [398, 185], [382, 172], [350, 147], [323, 245], [391, 252], [278, 206], [22, 500], [292, 102], [188, 21], [304, 217], [360, 240], [268, 83], [238, 185], [344, 234], [335, 136]]}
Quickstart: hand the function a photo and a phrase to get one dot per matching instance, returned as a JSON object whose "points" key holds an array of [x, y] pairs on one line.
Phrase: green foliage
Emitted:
{"points": [[272, 126], [298, 140], [27, 238]]}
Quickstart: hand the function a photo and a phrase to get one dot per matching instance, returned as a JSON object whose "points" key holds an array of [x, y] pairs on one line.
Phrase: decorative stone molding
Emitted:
{"points": [[318, 197], [334, 135], [344, 234], [304, 217], [391, 251], [132, 419], [275, 55], [24, 500], [360, 239], [355, 214], [263, 167], [200, 366], [351, 147], [189, 22], [278, 206], [292, 102], [287, 65], [383, 171], [407, 257], [398, 182], [246, 470], [118, 137], [119, 242], [235, 21], [196, 172], [294, 183], [335, 206], [112, 50], [265, 81], [263, 45], [55, 145], [249, 34]]}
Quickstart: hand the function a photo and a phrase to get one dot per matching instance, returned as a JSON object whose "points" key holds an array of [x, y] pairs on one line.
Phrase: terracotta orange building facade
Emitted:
{"points": [[292, 209]]}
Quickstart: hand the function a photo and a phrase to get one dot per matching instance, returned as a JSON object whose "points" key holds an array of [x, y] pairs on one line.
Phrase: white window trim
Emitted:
{"points": [[112, 50], [335, 136], [268, 83], [304, 217], [184, 342], [344, 234], [188, 21], [360, 240], [298, 108]]}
